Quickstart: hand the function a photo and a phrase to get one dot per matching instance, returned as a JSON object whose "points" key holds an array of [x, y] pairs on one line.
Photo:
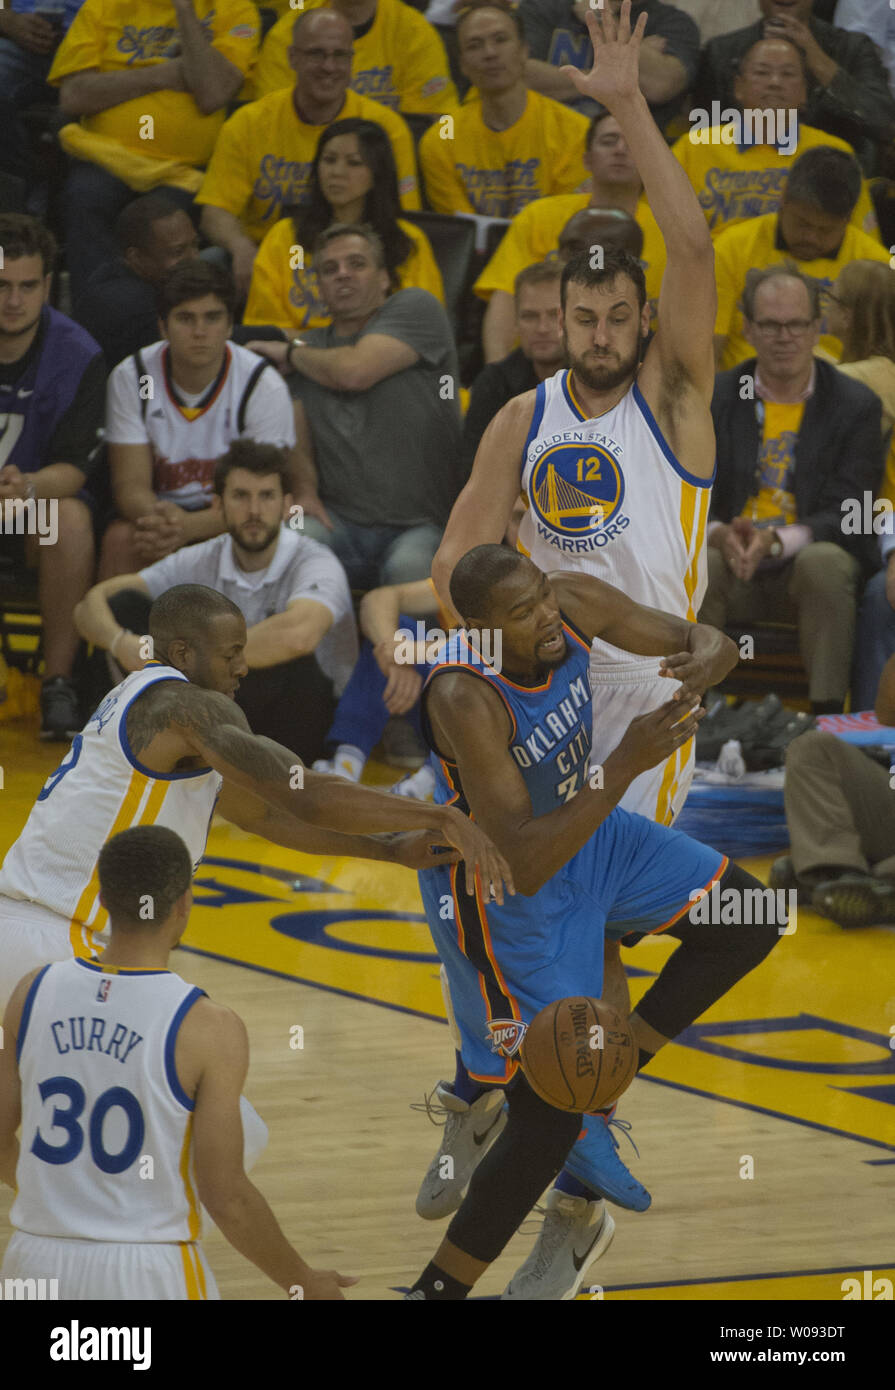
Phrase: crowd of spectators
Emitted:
{"points": [[232, 348]]}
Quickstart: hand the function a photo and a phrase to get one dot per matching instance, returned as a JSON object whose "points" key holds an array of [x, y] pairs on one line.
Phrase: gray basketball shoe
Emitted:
{"points": [[469, 1132], [574, 1234]]}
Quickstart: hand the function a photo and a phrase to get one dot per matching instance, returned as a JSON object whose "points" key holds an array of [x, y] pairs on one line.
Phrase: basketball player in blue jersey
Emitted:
{"points": [[169, 746], [615, 457], [512, 749], [107, 1062]]}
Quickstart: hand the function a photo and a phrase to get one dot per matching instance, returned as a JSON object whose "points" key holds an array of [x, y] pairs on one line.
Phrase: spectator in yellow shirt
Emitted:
{"points": [[262, 161], [506, 145], [353, 179], [149, 81], [739, 171], [399, 58], [535, 233], [812, 228]]}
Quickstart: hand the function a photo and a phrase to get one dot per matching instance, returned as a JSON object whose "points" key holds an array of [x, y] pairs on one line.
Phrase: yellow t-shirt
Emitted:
{"points": [[775, 500], [400, 61], [752, 243], [534, 236], [262, 160], [733, 184], [115, 35], [289, 296], [469, 168]]}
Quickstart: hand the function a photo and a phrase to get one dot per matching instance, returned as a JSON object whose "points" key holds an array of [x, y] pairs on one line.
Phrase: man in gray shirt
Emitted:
{"points": [[293, 593], [377, 417]]}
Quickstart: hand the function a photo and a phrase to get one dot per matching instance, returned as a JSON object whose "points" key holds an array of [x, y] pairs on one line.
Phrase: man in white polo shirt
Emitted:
{"points": [[292, 591]]}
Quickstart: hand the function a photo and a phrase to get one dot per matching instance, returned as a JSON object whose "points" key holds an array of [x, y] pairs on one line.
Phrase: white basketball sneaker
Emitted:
{"points": [[574, 1234], [469, 1132]]}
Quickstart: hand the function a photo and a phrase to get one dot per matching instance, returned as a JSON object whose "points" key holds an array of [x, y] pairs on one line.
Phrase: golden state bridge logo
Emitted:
{"points": [[575, 490]]}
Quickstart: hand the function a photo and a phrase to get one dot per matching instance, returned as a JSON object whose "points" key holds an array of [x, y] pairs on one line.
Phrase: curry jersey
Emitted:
{"points": [[607, 497], [550, 724], [99, 789], [101, 1099], [187, 436]]}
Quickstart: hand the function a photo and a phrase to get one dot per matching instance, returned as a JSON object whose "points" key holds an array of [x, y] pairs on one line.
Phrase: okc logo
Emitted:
{"points": [[506, 1035], [576, 489]]}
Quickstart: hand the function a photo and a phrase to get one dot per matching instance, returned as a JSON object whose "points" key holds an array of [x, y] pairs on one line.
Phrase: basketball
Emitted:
{"points": [[579, 1054]]}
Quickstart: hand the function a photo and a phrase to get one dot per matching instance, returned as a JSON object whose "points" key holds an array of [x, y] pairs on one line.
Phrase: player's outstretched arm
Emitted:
{"points": [[471, 727], [683, 347], [10, 1087], [207, 724], [696, 654], [482, 512], [216, 1037]]}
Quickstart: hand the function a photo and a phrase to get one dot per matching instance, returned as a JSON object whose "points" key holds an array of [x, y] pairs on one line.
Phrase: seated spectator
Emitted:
{"points": [[28, 40], [376, 415], [735, 180], [52, 380], [540, 352], [353, 179], [600, 227], [861, 311], [399, 58], [119, 303], [840, 813], [385, 684], [876, 19], [263, 158], [787, 460], [715, 17], [848, 93], [534, 234], [556, 35], [292, 592], [507, 145], [151, 105], [812, 228], [173, 410]]}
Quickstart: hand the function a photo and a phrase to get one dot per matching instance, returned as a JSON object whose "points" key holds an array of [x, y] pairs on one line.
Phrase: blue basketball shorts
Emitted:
{"points": [[506, 963]]}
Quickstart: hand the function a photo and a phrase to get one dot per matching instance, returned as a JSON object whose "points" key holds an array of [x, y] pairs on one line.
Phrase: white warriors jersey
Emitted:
{"points": [[99, 789], [101, 1099], [606, 496]]}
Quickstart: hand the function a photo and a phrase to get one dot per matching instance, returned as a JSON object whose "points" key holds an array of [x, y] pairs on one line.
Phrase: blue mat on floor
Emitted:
{"points": [[738, 821]]}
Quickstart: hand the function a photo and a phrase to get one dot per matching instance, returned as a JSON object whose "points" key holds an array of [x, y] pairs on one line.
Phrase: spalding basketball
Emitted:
{"points": [[579, 1054]]}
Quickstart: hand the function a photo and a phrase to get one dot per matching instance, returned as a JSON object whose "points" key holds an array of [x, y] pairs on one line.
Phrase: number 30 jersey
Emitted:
{"points": [[106, 1127], [99, 789]]}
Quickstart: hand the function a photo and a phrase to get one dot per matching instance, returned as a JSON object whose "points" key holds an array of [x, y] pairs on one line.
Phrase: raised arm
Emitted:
{"points": [[471, 726], [482, 511], [210, 77], [697, 655], [681, 355]]}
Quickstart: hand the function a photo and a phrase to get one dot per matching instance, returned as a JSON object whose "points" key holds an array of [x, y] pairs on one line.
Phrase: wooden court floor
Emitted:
{"points": [[789, 1078]]}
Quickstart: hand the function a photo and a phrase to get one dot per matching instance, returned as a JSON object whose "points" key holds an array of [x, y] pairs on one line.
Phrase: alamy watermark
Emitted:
{"points": [[731, 126], [729, 907], [482, 646], [30, 516]]}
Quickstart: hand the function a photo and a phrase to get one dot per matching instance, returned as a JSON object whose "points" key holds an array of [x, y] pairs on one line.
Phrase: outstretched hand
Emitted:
{"points": [[615, 75]]}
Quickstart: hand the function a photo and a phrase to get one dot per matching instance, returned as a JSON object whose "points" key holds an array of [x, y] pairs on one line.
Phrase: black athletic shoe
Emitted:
{"points": [[783, 876], [856, 900], [60, 716]]}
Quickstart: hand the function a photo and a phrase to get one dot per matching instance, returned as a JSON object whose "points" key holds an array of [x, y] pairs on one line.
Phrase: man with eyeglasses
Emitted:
{"points": [[263, 157], [813, 228], [795, 438]]}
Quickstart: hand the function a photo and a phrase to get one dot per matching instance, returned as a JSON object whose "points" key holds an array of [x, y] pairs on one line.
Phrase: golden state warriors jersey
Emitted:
{"points": [[608, 497], [106, 1149], [99, 789]]}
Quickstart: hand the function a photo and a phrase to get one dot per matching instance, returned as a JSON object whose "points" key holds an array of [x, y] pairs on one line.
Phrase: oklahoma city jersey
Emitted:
{"points": [[100, 1092], [607, 497], [99, 789]]}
